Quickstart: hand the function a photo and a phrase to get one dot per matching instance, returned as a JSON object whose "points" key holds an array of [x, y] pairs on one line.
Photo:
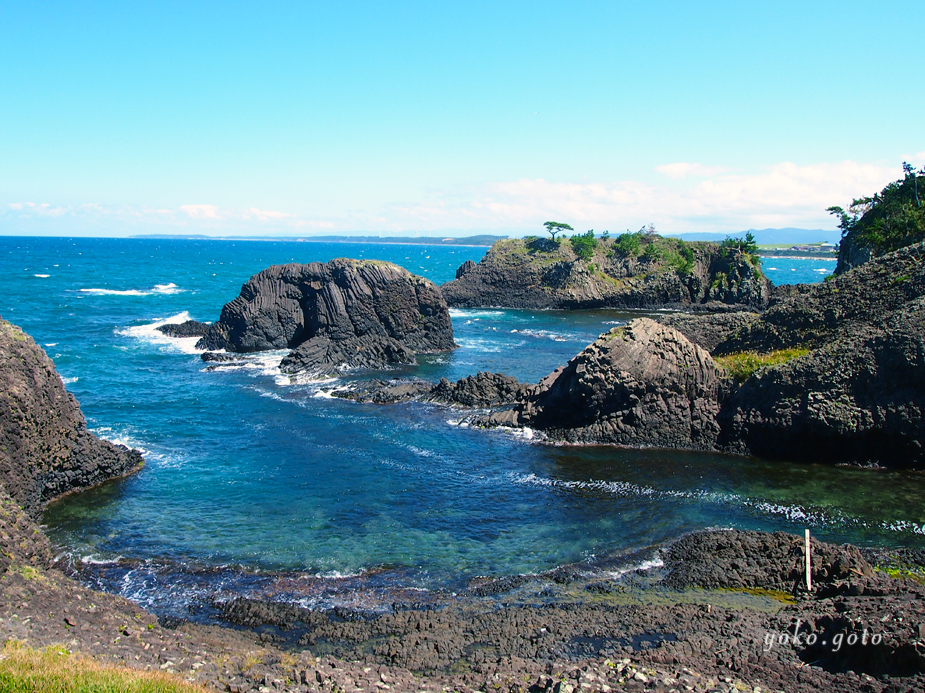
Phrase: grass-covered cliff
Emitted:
{"points": [[632, 270]]}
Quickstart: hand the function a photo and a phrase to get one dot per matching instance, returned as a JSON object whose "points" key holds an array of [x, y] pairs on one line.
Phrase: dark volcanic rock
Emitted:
{"points": [[366, 307], [519, 273], [481, 390], [323, 356], [213, 357], [758, 560], [815, 315], [707, 330], [465, 267], [190, 328], [45, 448], [376, 391], [860, 398], [643, 384]]}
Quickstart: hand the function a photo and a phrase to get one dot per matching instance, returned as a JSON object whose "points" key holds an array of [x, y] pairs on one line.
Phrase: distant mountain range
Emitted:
{"points": [[770, 236]]}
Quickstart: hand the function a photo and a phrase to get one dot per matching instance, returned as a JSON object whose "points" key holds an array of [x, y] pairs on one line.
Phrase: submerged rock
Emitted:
{"points": [[368, 313]]}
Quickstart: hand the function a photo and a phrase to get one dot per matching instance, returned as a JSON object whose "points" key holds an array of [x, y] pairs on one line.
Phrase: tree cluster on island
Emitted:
{"points": [[890, 219]]}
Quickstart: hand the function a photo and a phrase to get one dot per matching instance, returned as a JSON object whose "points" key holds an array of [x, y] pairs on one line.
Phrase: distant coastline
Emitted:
{"points": [[482, 240]]}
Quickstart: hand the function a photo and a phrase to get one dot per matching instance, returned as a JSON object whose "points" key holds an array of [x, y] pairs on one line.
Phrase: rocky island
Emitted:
{"points": [[639, 270], [335, 315]]}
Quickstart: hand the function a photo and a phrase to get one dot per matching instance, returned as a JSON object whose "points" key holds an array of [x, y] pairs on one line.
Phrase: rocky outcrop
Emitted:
{"points": [[358, 313], [481, 390], [758, 560], [525, 273], [474, 391], [643, 384], [190, 328], [707, 330], [45, 447], [858, 398], [818, 314]]}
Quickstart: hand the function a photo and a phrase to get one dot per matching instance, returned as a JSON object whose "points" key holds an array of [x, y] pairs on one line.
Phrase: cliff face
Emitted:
{"points": [[522, 273], [45, 448], [357, 313]]}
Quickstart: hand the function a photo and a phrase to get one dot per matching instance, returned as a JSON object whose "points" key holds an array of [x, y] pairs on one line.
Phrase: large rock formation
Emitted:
{"points": [[643, 384], [524, 273], [45, 447], [341, 313]]}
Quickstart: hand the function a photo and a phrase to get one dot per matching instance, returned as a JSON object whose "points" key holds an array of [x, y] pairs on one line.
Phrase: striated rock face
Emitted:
{"points": [[45, 448], [365, 310], [643, 384], [519, 273], [707, 330]]}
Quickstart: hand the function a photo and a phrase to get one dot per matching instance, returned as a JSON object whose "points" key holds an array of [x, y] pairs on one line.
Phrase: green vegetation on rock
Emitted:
{"points": [[891, 219], [584, 244], [744, 364]]}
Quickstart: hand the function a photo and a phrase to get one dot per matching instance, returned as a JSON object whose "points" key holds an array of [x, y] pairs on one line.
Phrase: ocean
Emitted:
{"points": [[251, 474]]}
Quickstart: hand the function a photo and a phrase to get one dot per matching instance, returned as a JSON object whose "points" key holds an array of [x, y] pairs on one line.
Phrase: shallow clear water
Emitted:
{"points": [[248, 467]]}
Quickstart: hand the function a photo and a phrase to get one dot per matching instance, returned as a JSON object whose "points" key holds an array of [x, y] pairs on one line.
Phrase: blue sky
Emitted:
{"points": [[404, 117]]}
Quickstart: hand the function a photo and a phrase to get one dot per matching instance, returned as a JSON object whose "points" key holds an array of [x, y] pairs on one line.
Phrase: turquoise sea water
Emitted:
{"points": [[250, 470]]}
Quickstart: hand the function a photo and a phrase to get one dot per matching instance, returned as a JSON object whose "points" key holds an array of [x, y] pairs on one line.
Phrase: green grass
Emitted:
{"points": [[53, 670], [744, 364]]}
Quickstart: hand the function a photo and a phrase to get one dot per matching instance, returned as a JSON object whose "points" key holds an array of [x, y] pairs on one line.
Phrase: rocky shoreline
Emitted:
{"points": [[719, 610]]}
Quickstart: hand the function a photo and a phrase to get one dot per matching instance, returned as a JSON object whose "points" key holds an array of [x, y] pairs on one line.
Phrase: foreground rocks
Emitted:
{"points": [[525, 273], [340, 314]]}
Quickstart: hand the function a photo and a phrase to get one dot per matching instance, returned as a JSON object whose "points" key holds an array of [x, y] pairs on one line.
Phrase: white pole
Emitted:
{"points": [[809, 566]]}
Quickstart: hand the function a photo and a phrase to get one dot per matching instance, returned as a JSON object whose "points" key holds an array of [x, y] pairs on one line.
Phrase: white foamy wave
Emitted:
{"points": [[68, 381], [905, 526], [544, 334], [96, 559], [486, 346], [149, 333], [42, 276], [51, 344], [156, 289], [119, 438], [645, 565], [475, 314]]}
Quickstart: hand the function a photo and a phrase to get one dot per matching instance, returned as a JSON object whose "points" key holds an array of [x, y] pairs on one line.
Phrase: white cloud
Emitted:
{"points": [[782, 195], [200, 211], [684, 170]]}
